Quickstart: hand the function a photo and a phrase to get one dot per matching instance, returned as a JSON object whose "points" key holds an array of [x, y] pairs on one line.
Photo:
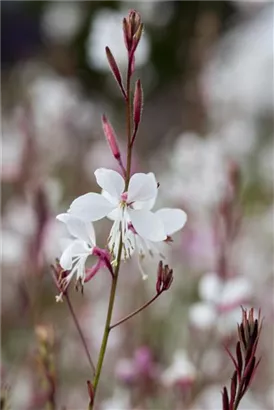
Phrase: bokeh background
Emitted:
{"points": [[207, 134]]}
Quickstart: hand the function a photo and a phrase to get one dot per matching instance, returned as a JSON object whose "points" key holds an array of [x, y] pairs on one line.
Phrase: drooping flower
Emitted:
{"points": [[130, 210], [82, 245]]}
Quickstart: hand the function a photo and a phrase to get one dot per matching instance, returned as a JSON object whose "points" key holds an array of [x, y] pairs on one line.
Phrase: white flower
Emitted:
{"points": [[76, 253], [221, 301], [130, 210], [181, 371]]}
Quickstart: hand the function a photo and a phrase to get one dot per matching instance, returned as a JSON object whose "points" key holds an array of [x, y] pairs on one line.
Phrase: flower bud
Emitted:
{"points": [[137, 103], [115, 70], [111, 138], [164, 278], [132, 28]]}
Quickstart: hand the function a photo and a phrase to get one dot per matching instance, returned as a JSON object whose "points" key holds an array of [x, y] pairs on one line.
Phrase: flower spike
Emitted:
{"points": [[245, 362]]}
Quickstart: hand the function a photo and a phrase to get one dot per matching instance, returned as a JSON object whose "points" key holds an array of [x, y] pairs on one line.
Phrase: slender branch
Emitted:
{"points": [[135, 312], [74, 317]]}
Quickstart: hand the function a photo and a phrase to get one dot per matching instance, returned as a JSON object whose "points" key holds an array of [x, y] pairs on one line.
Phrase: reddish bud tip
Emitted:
{"points": [[137, 103], [115, 70], [111, 137]]}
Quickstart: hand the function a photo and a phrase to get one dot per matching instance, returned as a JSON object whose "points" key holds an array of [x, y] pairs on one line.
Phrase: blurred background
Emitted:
{"points": [[207, 134]]}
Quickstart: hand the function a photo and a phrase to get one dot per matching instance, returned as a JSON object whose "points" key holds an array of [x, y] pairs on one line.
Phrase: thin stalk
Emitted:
{"points": [[135, 312], [74, 317], [116, 272], [128, 114], [107, 324]]}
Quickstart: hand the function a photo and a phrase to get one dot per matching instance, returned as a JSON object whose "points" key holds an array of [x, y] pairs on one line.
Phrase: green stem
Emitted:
{"points": [[108, 320]]}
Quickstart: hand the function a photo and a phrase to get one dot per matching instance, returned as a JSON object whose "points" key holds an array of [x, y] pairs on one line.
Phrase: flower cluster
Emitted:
{"points": [[125, 199], [139, 229]]}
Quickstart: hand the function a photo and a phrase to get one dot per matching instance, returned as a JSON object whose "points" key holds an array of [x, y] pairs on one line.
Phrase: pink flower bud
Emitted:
{"points": [[111, 138], [115, 70], [132, 28], [137, 103]]}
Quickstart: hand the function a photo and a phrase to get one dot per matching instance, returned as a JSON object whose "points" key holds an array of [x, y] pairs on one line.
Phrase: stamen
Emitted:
{"points": [[143, 273]]}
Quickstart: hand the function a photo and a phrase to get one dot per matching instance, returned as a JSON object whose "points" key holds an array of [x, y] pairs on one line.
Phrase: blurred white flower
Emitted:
{"points": [[52, 98], [238, 138], [221, 302], [239, 78], [12, 248], [197, 174], [106, 30], [62, 20], [181, 371]]}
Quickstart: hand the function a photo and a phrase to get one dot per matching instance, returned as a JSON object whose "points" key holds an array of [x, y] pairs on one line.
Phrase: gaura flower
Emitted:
{"points": [[74, 256], [130, 210]]}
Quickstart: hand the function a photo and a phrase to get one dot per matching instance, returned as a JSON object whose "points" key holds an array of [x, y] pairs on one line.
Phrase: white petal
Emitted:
{"points": [[147, 225], [110, 181], [79, 228], [173, 219], [142, 187], [113, 215], [76, 248], [91, 207], [144, 204]]}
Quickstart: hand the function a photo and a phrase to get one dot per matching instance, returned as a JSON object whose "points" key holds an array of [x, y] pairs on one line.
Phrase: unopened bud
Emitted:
{"points": [[164, 278], [132, 28], [111, 137], [137, 103], [115, 70]]}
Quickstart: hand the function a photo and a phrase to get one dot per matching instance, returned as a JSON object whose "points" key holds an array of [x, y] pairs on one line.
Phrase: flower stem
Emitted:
{"points": [[116, 272], [74, 317], [107, 324], [135, 312]]}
